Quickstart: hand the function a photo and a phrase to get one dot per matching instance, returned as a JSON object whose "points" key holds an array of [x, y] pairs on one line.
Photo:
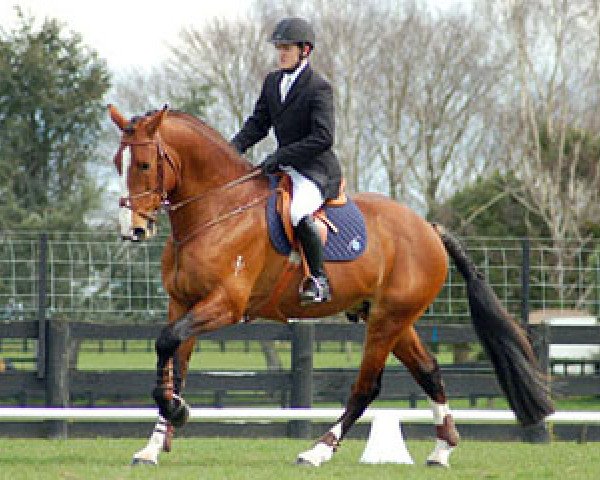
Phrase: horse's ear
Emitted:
{"points": [[156, 120], [118, 119]]}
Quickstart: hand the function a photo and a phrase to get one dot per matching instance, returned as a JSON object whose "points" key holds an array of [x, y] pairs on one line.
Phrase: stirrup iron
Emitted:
{"points": [[312, 291]]}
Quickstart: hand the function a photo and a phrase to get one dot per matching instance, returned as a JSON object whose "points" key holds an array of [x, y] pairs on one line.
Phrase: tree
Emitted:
{"points": [[230, 58], [51, 89], [548, 133], [489, 207], [429, 114]]}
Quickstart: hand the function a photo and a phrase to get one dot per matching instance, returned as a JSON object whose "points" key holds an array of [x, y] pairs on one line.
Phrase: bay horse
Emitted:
{"points": [[219, 267]]}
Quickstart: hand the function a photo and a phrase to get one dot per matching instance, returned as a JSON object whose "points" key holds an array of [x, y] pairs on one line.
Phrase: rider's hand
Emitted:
{"points": [[237, 147], [269, 165]]}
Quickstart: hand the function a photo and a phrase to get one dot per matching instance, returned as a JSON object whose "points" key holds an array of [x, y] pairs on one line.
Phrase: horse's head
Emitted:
{"points": [[147, 173]]}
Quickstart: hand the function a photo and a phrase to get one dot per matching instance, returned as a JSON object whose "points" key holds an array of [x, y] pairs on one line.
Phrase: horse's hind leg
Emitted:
{"points": [[162, 435], [378, 345], [424, 368]]}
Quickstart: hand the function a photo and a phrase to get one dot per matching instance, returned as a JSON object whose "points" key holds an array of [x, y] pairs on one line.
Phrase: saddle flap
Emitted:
{"points": [[347, 236], [284, 202]]}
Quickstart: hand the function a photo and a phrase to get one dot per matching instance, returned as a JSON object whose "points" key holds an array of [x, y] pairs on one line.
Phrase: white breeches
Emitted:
{"points": [[306, 196]]}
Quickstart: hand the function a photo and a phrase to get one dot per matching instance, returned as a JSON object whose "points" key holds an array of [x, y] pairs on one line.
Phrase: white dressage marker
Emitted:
{"points": [[385, 443]]}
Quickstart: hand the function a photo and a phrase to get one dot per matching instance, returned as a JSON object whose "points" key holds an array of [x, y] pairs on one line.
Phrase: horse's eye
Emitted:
{"points": [[144, 166]]}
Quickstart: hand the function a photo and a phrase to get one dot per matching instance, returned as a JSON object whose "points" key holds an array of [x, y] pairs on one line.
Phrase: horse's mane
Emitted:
{"points": [[196, 124]]}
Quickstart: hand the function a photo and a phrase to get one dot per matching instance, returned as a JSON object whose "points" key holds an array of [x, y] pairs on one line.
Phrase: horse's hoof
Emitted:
{"points": [[316, 456], [143, 461], [434, 463], [303, 462], [440, 457]]}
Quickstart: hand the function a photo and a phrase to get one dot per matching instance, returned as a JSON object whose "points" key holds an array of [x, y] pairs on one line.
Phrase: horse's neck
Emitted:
{"points": [[206, 166], [199, 176]]}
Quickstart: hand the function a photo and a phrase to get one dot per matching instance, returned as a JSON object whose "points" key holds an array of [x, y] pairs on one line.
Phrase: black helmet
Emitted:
{"points": [[293, 30]]}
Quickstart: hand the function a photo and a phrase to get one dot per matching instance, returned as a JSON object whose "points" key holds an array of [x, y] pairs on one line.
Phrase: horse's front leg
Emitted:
{"points": [[215, 312], [171, 406], [162, 434]]}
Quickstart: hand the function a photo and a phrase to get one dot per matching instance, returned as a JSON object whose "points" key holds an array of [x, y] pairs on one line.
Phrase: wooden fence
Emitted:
{"points": [[57, 383]]}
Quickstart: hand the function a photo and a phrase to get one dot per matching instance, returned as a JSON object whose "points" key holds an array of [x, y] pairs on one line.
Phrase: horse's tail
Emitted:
{"points": [[504, 341]]}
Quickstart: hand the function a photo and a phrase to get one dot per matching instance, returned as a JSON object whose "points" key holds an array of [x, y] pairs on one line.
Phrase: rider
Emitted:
{"points": [[298, 103]]}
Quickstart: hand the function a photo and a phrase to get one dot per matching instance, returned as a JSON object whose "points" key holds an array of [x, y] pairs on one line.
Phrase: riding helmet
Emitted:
{"points": [[293, 30]]}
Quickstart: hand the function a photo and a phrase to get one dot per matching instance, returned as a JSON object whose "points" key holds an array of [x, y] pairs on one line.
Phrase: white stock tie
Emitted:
{"points": [[284, 87]]}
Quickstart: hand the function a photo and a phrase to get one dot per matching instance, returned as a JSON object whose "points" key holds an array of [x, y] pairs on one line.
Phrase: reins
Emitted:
{"points": [[173, 207], [220, 218], [238, 181]]}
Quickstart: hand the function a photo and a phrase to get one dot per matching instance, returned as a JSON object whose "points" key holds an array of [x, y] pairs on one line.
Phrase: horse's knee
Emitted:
{"points": [[167, 342], [174, 334]]}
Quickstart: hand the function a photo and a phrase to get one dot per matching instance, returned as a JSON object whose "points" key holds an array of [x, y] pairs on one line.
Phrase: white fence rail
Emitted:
{"points": [[262, 414]]}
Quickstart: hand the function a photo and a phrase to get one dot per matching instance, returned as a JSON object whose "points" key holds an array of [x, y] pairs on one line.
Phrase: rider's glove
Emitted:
{"points": [[269, 165]]}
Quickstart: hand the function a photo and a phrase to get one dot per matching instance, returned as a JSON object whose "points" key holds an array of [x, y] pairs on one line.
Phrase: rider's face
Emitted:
{"points": [[288, 55]]}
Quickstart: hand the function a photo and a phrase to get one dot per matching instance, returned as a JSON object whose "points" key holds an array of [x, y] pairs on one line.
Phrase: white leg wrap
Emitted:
{"points": [[321, 452], [441, 454], [317, 455], [149, 454], [337, 431], [440, 410]]}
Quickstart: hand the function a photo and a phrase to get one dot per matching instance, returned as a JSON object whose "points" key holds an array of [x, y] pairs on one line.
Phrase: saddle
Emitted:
{"points": [[341, 223], [342, 228], [284, 201]]}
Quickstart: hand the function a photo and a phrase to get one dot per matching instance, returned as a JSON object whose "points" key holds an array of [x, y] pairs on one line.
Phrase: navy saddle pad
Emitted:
{"points": [[349, 243]]}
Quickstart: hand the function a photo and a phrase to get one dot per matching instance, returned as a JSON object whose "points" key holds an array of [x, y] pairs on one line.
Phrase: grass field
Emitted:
{"points": [[109, 355], [229, 459]]}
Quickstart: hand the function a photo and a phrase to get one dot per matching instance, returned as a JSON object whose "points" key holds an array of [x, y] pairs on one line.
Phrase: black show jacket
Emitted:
{"points": [[303, 125]]}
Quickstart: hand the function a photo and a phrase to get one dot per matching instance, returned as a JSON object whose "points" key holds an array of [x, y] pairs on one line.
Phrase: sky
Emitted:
{"points": [[114, 27], [134, 34]]}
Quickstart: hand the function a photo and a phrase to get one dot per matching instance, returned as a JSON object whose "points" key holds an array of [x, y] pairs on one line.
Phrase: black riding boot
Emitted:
{"points": [[315, 289]]}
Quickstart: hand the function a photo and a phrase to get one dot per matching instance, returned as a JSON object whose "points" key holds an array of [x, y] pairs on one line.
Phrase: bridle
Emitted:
{"points": [[160, 189]]}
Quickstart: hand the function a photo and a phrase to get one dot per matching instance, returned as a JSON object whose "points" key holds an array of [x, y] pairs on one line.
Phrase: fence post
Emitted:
{"points": [[57, 373], [539, 336], [543, 349], [303, 335], [42, 303], [525, 265]]}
